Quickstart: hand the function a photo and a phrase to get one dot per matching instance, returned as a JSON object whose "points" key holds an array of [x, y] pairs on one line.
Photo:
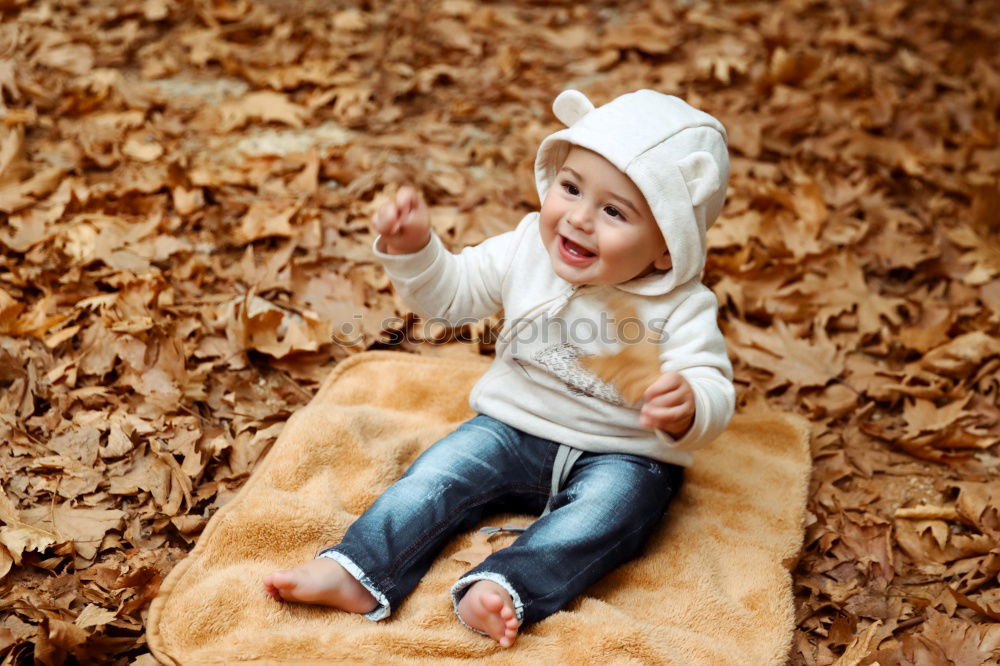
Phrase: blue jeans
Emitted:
{"points": [[607, 508]]}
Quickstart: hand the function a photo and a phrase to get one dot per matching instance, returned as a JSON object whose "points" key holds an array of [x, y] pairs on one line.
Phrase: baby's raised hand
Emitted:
{"points": [[404, 223], [668, 404]]}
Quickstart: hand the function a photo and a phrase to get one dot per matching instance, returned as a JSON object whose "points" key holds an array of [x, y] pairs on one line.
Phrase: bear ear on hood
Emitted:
{"points": [[570, 106], [701, 175]]}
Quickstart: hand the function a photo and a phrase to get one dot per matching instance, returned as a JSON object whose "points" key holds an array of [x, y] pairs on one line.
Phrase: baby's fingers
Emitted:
{"points": [[668, 399], [406, 200], [665, 417], [387, 219], [665, 383]]}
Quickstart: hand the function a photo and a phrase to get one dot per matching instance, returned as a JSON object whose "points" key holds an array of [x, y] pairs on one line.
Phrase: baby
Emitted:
{"points": [[628, 191]]}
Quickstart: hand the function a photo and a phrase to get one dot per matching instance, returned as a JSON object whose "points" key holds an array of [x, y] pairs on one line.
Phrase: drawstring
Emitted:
{"points": [[566, 457]]}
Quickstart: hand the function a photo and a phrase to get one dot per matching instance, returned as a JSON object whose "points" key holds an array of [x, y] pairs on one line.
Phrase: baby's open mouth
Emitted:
{"points": [[575, 248]]}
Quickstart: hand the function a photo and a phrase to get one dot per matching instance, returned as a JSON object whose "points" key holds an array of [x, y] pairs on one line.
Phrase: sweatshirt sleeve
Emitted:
{"points": [[459, 288], [694, 347]]}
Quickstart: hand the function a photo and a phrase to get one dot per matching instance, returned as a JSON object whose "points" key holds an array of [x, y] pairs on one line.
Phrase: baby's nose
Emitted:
{"points": [[579, 217]]}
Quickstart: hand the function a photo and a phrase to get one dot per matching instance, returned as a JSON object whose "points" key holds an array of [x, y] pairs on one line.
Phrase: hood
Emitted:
{"points": [[675, 154]]}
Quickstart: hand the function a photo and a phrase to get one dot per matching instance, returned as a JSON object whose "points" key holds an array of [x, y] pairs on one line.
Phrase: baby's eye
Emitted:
{"points": [[571, 188], [613, 212]]}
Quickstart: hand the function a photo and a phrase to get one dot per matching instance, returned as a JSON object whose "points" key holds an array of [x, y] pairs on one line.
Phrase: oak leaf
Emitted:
{"points": [[786, 356]]}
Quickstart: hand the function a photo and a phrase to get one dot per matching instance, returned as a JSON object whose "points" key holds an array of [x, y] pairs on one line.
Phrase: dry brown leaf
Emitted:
{"points": [[142, 150], [6, 562], [860, 647], [20, 538], [71, 58], [841, 287], [923, 416], [786, 357], [85, 527], [263, 105], [979, 504], [633, 368], [961, 355], [94, 616], [961, 641], [981, 252], [17, 195], [268, 218], [255, 323]]}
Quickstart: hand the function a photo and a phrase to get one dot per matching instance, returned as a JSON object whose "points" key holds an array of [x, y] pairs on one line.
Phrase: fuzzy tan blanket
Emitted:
{"points": [[711, 587]]}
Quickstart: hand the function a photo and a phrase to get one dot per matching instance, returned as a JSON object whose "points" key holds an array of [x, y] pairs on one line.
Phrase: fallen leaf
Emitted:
{"points": [[263, 105], [85, 527], [94, 616], [143, 151]]}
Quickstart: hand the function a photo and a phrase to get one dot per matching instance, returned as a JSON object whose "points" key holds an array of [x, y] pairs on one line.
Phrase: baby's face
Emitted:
{"points": [[597, 226]]}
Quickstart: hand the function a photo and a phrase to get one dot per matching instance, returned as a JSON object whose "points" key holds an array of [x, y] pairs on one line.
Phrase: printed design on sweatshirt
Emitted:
{"points": [[561, 361]]}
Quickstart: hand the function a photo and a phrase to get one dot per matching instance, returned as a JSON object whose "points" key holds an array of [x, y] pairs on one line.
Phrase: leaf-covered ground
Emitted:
{"points": [[185, 190]]}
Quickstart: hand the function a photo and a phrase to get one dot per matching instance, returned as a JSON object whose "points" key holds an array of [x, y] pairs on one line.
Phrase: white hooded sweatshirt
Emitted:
{"points": [[676, 155]]}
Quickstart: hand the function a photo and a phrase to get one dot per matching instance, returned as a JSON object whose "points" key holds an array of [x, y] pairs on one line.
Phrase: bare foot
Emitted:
{"points": [[489, 608], [323, 582]]}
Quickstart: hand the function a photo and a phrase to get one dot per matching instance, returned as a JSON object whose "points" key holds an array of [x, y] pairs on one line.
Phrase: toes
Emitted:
{"points": [[508, 638], [491, 613], [271, 591], [512, 626], [282, 580], [511, 634]]}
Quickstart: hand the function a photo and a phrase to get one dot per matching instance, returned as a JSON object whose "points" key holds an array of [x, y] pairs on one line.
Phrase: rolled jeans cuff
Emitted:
{"points": [[459, 589], [384, 608]]}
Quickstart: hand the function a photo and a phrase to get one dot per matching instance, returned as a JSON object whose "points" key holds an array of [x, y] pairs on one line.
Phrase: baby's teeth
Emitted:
{"points": [[571, 246]]}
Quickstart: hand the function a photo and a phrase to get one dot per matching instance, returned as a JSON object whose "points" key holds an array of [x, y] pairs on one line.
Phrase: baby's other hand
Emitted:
{"points": [[404, 223], [668, 404]]}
